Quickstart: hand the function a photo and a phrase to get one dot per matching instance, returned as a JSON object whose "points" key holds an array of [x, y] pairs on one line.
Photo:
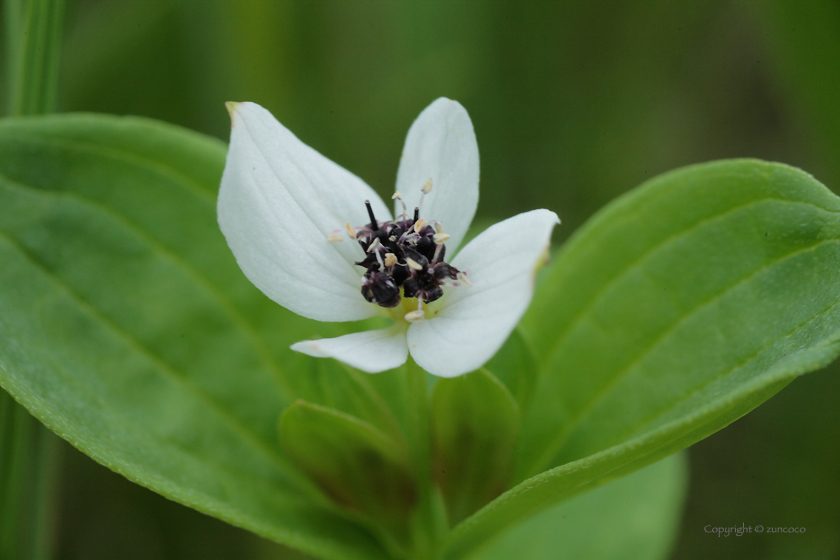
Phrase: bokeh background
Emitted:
{"points": [[574, 103]]}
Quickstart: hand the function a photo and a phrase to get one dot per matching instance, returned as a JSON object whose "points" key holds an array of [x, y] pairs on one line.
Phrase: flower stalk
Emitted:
{"points": [[429, 523]]}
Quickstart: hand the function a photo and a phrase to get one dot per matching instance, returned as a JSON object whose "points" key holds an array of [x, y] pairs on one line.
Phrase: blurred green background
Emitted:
{"points": [[573, 103]]}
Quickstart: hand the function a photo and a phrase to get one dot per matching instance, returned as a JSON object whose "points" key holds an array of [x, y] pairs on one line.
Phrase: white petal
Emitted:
{"points": [[370, 351], [474, 321], [441, 146], [278, 202]]}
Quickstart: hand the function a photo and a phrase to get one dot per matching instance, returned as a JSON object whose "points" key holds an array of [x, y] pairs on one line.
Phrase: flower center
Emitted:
{"points": [[404, 258]]}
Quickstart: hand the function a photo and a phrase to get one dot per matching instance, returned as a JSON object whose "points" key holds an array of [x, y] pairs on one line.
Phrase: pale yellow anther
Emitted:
{"points": [[413, 264], [419, 224], [439, 228], [392, 238], [462, 278], [374, 245], [390, 259], [334, 238], [396, 196], [351, 233], [413, 316], [441, 238], [427, 186]]}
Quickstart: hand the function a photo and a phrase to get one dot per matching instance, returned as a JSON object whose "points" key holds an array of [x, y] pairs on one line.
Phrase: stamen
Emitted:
{"points": [[424, 190], [351, 233], [334, 238], [398, 196], [374, 225], [414, 316], [418, 315], [409, 258]]}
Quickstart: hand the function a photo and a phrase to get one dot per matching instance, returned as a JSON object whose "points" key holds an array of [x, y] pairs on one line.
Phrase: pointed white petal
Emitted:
{"points": [[278, 203], [370, 351], [441, 146], [474, 321]]}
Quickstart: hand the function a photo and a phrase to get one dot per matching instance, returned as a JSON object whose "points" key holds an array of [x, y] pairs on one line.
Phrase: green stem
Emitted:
{"points": [[429, 522], [45, 485], [13, 16], [15, 454], [29, 453], [28, 464], [34, 59]]}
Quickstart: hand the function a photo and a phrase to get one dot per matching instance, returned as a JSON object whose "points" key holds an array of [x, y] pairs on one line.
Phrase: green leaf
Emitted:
{"points": [[634, 518], [514, 366], [335, 385], [126, 327], [673, 312], [475, 422], [356, 464]]}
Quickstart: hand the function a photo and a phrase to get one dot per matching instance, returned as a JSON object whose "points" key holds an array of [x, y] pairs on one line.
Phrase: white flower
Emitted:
{"points": [[287, 213]]}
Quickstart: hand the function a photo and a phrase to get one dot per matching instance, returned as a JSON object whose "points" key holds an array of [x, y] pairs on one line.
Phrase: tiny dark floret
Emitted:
{"points": [[403, 258]]}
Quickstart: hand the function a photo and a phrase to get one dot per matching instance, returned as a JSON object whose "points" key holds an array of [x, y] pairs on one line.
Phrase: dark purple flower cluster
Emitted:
{"points": [[407, 253]]}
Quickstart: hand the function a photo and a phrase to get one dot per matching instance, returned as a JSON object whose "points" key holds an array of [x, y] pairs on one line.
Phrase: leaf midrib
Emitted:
{"points": [[553, 448], [191, 185], [160, 365], [233, 312], [651, 419], [578, 317]]}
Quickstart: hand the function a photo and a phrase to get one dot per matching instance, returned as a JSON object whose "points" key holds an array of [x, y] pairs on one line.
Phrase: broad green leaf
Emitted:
{"points": [[634, 518], [673, 312], [475, 422], [126, 327], [356, 464]]}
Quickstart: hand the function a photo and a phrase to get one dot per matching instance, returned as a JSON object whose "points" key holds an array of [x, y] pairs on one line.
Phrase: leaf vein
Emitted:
{"points": [[563, 435], [161, 365], [640, 259], [685, 397], [233, 312], [191, 185]]}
